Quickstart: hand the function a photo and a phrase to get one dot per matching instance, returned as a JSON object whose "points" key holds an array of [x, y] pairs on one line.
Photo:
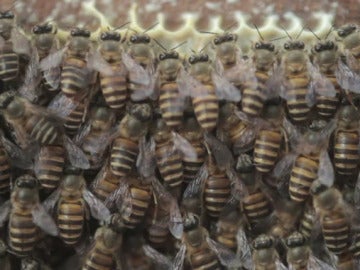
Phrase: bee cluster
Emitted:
{"points": [[123, 154]]}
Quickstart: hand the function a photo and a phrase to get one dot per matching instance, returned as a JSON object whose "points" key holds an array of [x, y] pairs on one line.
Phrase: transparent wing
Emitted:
{"points": [[21, 44], [76, 156], [244, 249], [138, 73], [195, 187], [184, 146], [316, 264], [53, 60], [62, 105], [292, 132], [42, 219], [189, 86], [326, 174], [275, 84], [222, 154], [118, 197], [100, 176], [179, 259], [146, 161], [348, 79], [51, 201], [96, 61], [280, 265], [5, 210], [357, 194], [2, 42], [226, 256], [160, 259], [238, 188], [21, 158], [320, 84], [97, 208], [225, 90], [284, 166], [53, 77]]}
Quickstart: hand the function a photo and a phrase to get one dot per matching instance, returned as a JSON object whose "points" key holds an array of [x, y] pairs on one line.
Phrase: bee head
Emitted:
{"points": [[110, 36], [226, 37], [294, 45], [202, 57], [26, 181], [140, 38], [263, 242], [296, 239], [191, 221], [42, 28], [346, 30], [80, 32], [168, 55], [325, 46], [7, 15], [260, 45]]}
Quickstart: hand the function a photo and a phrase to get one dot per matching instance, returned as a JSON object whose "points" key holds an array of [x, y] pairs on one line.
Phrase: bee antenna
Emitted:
{"points": [[193, 51], [207, 44], [230, 26], [179, 45], [125, 36], [160, 45], [208, 32], [287, 33], [121, 26], [314, 34], [298, 35], [129, 28], [151, 27], [258, 31], [330, 30], [278, 38]]}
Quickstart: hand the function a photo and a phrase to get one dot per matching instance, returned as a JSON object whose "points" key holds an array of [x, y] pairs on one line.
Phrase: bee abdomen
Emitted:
{"points": [[216, 194], [70, 221], [75, 119], [170, 166], [9, 63], [206, 110], [297, 104], [204, 259], [306, 225], [114, 89], [136, 207], [346, 154], [106, 186], [123, 155], [43, 130], [22, 233], [252, 102], [336, 233], [5, 172], [50, 166], [228, 239], [157, 235], [302, 176], [170, 105], [192, 166], [266, 151], [256, 207], [73, 76], [99, 259]]}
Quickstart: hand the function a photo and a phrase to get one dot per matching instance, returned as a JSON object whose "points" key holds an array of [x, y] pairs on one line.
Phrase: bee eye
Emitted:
{"points": [[103, 36], [73, 32], [331, 45], [147, 39], [192, 59], [258, 45], [286, 46], [302, 45], [8, 15], [205, 58], [176, 55], [36, 29], [162, 56], [272, 47], [216, 41], [230, 37], [133, 39], [317, 47]]}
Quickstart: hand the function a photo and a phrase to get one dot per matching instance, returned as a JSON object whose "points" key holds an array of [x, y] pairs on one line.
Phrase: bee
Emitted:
{"points": [[103, 254], [334, 217], [307, 221], [206, 87], [71, 204], [192, 132], [113, 74], [299, 255], [346, 141], [26, 215], [309, 161], [325, 57], [4, 257], [76, 74], [125, 147], [96, 135], [5, 164], [265, 255]]}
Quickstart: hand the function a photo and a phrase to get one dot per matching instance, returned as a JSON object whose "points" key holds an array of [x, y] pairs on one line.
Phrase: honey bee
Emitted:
{"points": [[307, 221], [334, 217], [4, 257], [71, 204], [346, 141], [13, 44], [32, 123], [76, 74], [96, 135], [125, 147], [26, 215], [103, 254], [265, 255], [206, 87], [309, 161], [299, 255]]}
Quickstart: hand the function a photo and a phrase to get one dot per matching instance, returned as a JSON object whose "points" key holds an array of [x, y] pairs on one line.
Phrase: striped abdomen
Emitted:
{"points": [[136, 206], [123, 156], [326, 107], [90, 142], [75, 118], [296, 102], [191, 166], [158, 234], [49, 166], [9, 63], [303, 174], [171, 105], [267, 148], [307, 224], [170, 165], [5, 171], [206, 108], [336, 232], [107, 185], [23, 232], [114, 87], [99, 259], [43, 130], [216, 193], [355, 249], [73, 76], [203, 259], [256, 207], [346, 153], [252, 101], [70, 219], [226, 235], [236, 132]]}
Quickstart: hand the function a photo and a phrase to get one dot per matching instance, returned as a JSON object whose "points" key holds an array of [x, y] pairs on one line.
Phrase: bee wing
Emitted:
{"points": [[97, 208], [238, 188], [326, 174], [95, 61], [226, 256], [5, 210], [100, 176], [2, 42], [138, 73], [184, 146], [225, 89], [284, 166], [244, 249], [357, 194], [189, 86], [146, 161], [53, 60], [62, 106], [346, 77], [21, 158], [50, 202], [160, 259], [195, 187], [320, 84], [222, 154], [179, 259], [21, 44], [315, 263], [42, 219], [247, 72], [276, 84], [52, 77], [280, 265], [292, 132], [76, 156], [118, 196]]}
